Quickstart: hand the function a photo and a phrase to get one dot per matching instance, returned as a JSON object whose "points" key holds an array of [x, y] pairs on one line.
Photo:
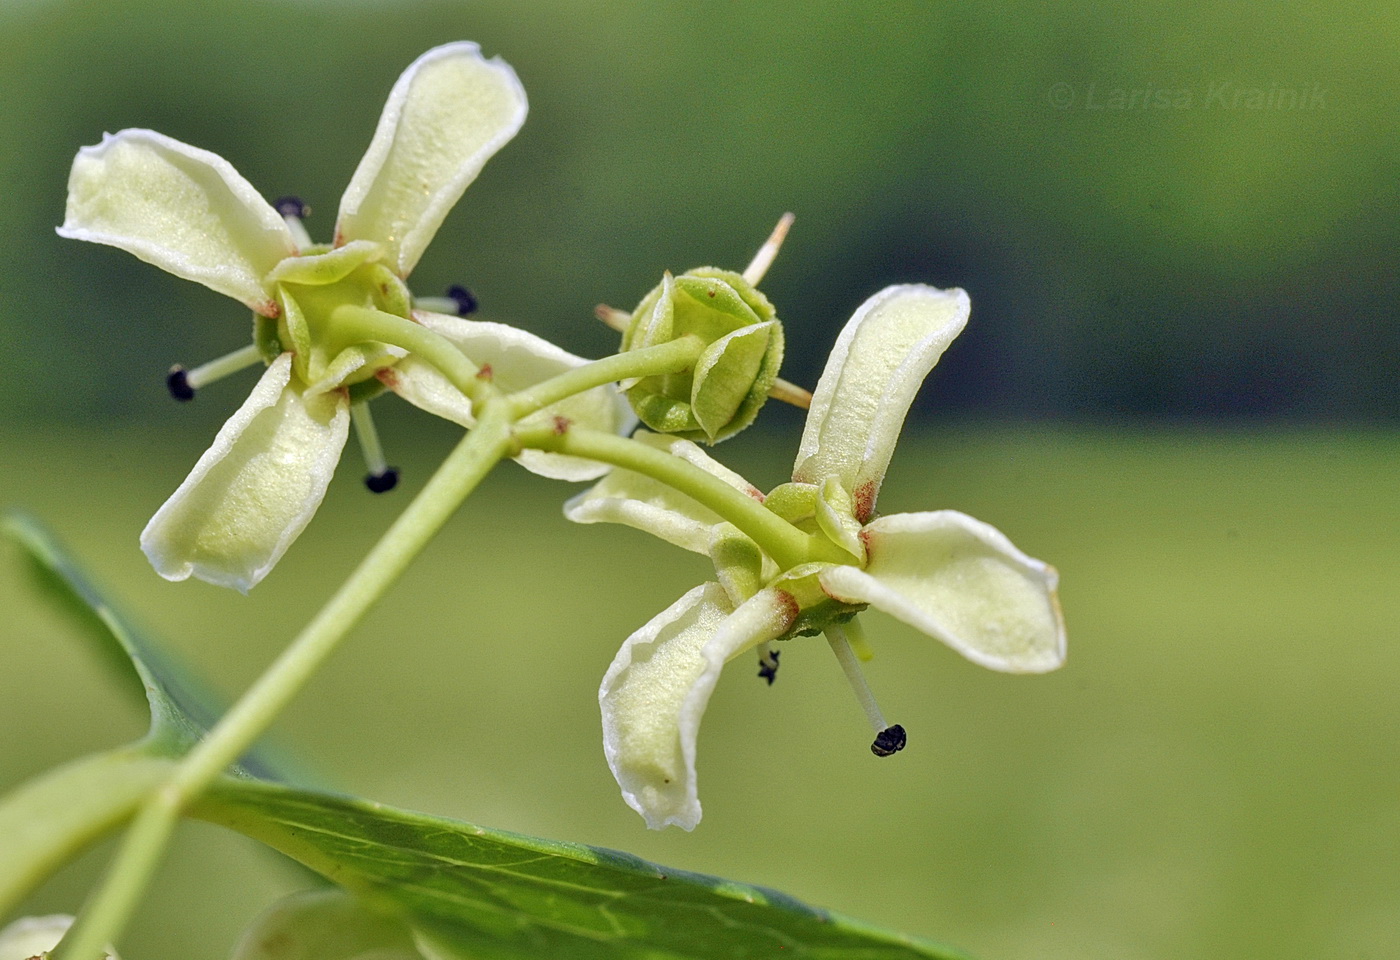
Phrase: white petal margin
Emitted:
{"points": [[875, 369], [658, 686], [449, 112], [518, 359], [183, 209], [638, 501], [255, 489], [961, 581], [30, 937]]}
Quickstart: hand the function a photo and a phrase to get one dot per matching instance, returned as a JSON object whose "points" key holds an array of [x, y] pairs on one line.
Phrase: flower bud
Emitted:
{"points": [[743, 348]]}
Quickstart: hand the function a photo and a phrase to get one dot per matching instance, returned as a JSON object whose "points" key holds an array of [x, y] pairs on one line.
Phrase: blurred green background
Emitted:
{"points": [[1178, 224]]}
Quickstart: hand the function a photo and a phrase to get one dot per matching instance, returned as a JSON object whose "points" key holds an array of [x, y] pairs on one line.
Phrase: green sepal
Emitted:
{"points": [[794, 502], [294, 333], [665, 414], [816, 608], [730, 381], [836, 517], [738, 562], [265, 337], [730, 373], [322, 269]]}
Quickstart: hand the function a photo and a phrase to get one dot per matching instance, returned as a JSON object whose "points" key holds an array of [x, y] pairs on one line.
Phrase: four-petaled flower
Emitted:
{"points": [[327, 319], [954, 578]]}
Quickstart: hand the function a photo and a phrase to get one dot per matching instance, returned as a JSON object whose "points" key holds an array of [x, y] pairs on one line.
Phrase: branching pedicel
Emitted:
{"points": [[336, 325]]}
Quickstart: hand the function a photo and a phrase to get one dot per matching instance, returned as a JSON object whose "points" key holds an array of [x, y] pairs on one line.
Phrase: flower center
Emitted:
{"points": [[310, 289]]}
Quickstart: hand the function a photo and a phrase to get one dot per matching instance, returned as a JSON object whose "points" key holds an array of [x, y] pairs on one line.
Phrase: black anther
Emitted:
{"points": [[466, 300], [382, 482], [768, 666], [888, 741], [178, 382], [292, 207]]}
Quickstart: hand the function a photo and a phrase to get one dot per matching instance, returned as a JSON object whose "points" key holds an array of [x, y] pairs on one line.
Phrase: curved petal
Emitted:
{"points": [[449, 112], [30, 937], [959, 580], [876, 367], [636, 500], [183, 209], [255, 489], [658, 686], [516, 359]]}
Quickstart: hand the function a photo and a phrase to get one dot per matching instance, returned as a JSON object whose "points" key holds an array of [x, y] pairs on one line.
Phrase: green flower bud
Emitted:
{"points": [[743, 348]]}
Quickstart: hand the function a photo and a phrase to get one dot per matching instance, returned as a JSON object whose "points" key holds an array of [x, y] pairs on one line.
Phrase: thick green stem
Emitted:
{"points": [[144, 843], [787, 545], [671, 357]]}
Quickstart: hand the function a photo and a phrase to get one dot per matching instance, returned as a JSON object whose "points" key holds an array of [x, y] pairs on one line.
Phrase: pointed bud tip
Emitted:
{"points": [[382, 482], [889, 741], [178, 383]]}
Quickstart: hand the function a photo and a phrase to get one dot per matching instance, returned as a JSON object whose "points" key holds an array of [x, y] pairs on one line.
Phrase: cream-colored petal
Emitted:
{"points": [[658, 686], [636, 500], [515, 359], [183, 209], [449, 112], [29, 937], [876, 367], [255, 489], [962, 581]]}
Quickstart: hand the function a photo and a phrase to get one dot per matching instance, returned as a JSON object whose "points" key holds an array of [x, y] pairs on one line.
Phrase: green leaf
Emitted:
{"points": [[470, 892], [49, 820], [183, 708]]}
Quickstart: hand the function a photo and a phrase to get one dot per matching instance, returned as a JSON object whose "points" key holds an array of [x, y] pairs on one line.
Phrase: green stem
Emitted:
{"points": [[48, 821], [354, 324], [671, 357], [144, 843], [786, 544]]}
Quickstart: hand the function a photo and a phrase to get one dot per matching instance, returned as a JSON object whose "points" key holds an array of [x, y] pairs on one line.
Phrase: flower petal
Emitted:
{"points": [[255, 489], [636, 500], [658, 686], [516, 359], [959, 580], [183, 209], [449, 112], [30, 937], [877, 365]]}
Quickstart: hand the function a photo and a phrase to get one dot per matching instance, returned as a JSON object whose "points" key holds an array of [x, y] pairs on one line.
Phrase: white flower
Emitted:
{"points": [[954, 578], [190, 213]]}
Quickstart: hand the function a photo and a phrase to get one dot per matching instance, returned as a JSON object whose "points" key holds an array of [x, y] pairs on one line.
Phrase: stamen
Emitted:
{"points": [[292, 207], [464, 298], [613, 317], [381, 477], [294, 210], [177, 381], [458, 302], [762, 260], [888, 739], [790, 393], [183, 383], [768, 663]]}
